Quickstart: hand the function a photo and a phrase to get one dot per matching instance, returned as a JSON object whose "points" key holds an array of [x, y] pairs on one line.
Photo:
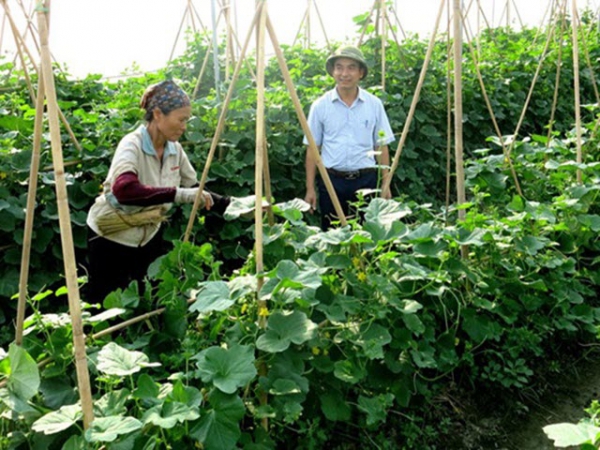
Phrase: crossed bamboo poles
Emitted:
{"points": [[262, 24]]}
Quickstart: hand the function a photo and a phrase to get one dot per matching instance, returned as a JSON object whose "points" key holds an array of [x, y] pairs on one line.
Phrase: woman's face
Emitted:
{"points": [[172, 125]]}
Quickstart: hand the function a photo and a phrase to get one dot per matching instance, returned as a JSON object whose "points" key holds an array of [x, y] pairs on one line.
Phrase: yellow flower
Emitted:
{"points": [[244, 308], [325, 352], [263, 312], [356, 261], [327, 334], [362, 276], [316, 351], [3, 175]]}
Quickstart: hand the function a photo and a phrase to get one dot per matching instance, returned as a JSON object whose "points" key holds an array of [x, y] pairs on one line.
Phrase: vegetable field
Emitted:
{"points": [[371, 333]]}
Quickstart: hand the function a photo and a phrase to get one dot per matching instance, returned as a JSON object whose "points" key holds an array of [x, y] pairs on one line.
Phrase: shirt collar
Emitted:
{"points": [[335, 96], [148, 146]]}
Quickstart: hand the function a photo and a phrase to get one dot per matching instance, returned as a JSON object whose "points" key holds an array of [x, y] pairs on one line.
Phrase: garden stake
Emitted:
{"points": [[188, 10], [219, 129], [306, 23], [448, 120], [258, 185], [413, 106], [576, 85], [563, 24], [491, 111], [29, 215], [364, 27], [83, 379], [530, 93], [304, 124], [458, 115], [383, 24]]}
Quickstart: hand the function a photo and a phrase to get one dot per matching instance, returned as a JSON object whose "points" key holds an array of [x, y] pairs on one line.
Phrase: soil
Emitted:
{"points": [[488, 424]]}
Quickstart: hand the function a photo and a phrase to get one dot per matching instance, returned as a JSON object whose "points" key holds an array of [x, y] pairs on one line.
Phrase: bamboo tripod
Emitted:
{"points": [[47, 92], [306, 24]]}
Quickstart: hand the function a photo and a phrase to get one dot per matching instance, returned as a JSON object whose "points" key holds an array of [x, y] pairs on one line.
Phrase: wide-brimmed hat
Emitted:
{"points": [[349, 52]]}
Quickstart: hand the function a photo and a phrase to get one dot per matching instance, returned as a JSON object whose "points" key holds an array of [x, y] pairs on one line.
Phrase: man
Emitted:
{"points": [[352, 132]]}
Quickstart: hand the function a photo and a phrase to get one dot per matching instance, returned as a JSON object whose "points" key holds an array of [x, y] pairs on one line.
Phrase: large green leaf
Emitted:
{"points": [[219, 428], [568, 434], [107, 429], [285, 328], [116, 360], [24, 378], [213, 296], [57, 421], [372, 339], [169, 414], [375, 407], [228, 369]]}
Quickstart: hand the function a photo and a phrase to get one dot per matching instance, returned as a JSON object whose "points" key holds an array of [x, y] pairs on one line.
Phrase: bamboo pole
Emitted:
{"points": [[490, 109], [563, 24], [448, 114], [312, 146], [307, 39], [458, 111], [298, 33], [220, 126], [586, 53], [383, 40], [215, 51], [364, 28], [411, 113], [185, 13], [29, 215], [576, 86], [399, 24], [531, 89], [65, 226], [258, 185], [322, 25], [259, 152]]}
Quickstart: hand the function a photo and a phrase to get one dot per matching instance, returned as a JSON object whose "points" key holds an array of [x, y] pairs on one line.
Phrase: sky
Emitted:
{"points": [[108, 37]]}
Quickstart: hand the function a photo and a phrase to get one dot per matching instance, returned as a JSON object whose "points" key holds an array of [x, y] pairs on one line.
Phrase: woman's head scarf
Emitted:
{"points": [[166, 96]]}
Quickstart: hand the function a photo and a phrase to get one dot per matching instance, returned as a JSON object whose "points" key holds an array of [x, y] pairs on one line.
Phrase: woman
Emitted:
{"points": [[148, 173]]}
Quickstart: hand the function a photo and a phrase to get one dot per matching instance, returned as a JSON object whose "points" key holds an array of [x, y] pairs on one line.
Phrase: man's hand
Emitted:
{"points": [[311, 199]]}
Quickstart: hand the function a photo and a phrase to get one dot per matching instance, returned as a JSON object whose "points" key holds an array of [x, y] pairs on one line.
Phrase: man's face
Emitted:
{"points": [[347, 73]]}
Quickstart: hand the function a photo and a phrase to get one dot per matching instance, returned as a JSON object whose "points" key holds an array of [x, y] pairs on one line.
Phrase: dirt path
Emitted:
{"points": [[565, 401], [483, 422]]}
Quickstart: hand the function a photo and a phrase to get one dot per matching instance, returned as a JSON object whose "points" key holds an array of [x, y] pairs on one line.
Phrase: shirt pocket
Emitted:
{"points": [[171, 176], [363, 132]]}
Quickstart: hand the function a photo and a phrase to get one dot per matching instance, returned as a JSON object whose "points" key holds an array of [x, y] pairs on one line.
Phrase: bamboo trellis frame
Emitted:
{"points": [[306, 24], [49, 92]]}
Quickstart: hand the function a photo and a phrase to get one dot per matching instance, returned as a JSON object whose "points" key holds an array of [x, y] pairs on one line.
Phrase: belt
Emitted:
{"points": [[351, 174]]}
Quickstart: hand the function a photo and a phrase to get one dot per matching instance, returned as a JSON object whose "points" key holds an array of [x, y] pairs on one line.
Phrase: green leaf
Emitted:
{"points": [[227, 369], [169, 414], [147, 388], [219, 428], [568, 434], [285, 328], [57, 421], [116, 360], [334, 406], [372, 340], [107, 429], [24, 378], [75, 443], [349, 372], [530, 244], [292, 276], [240, 206], [112, 403], [375, 407], [213, 296]]}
